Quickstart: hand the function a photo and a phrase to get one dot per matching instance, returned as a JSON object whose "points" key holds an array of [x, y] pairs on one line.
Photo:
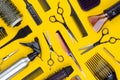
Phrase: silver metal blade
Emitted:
{"points": [[85, 47], [88, 49]]}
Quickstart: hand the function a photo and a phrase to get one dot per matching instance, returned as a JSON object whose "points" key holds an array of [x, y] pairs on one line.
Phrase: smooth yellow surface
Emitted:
{"points": [[92, 37]]}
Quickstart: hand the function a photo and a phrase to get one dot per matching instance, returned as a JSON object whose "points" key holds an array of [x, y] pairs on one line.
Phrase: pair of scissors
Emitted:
{"points": [[60, 58], [105, 31], [53, 19]]}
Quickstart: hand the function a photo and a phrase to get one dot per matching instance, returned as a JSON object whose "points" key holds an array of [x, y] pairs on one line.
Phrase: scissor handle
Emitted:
{"points": [[52, 19], [105, 31], [50, 62], [60, 58], [60, 10], [113, 40]]}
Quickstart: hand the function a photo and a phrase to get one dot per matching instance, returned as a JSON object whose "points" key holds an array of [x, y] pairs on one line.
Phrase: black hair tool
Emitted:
{"points": [[100, 68], [88, 4], [33, 13], [23, 62], [78, 21], [61, 74], [3, 33], [98, 21], [21, 34]]}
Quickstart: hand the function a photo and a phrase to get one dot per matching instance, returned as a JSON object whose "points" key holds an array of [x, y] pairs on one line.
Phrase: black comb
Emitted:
{"points": [[21, 34], [3, 33], [100, 68], [88, 4]]}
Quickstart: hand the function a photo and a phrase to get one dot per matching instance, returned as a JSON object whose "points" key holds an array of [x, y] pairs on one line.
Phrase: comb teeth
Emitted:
{"points": [[100, 68], [3, 33], [88, 4]]}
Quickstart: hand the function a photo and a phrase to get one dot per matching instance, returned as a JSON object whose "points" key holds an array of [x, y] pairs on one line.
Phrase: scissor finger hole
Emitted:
{"points": [[60, 58], [52, 18], [112, 40], [105, 31], [50, 62], [60, 11]]}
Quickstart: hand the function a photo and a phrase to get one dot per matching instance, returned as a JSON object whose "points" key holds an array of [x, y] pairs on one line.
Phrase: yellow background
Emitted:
{"points": [[92, 37]]}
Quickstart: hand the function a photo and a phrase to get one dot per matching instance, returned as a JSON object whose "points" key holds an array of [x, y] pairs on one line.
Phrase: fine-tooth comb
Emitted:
{"points": [[3, 33], [100, 68]]}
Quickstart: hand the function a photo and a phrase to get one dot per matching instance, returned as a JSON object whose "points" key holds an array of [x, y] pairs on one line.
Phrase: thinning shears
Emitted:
{"points": [[105, 31], [53, 19], [50, 61]]}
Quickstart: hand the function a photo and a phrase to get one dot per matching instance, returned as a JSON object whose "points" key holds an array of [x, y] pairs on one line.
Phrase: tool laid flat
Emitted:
{"points": [[3, 33], [50, 61], [21, 34], [100, 68], [77, 20], [44, 5], [105, 31], [53, 19], [98, 21]]}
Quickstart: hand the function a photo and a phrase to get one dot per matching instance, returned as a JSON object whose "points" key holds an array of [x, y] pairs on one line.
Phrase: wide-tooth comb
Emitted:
{"points": [[3, 33], [100, 68]]}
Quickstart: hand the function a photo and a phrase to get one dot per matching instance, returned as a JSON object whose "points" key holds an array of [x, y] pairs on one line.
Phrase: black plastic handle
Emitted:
{"points": [[113, 11]]}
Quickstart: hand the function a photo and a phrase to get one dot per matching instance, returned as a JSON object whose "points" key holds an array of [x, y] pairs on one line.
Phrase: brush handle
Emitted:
{"points": [[113, 11]]}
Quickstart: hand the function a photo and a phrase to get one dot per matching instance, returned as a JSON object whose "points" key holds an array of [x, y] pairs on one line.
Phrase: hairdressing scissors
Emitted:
{"points": [[105, 31], [60, 58], [53, 19]]}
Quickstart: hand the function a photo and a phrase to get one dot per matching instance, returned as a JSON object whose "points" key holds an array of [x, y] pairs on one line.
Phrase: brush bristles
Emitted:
{"points": [[99, 67], [93, 19], [3, 33]]}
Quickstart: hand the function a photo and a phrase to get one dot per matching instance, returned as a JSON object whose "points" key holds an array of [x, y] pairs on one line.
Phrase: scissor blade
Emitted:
{"points": [[46, 39], [71, 35], [85, 47], [88, 49]]}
